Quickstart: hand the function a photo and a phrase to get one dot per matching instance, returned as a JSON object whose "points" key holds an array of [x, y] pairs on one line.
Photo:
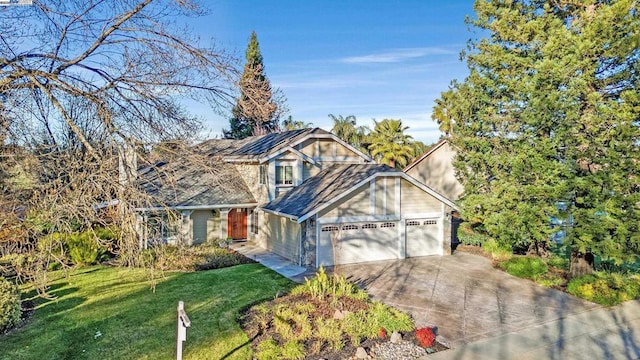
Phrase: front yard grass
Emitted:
{"points": [[112, 313]]}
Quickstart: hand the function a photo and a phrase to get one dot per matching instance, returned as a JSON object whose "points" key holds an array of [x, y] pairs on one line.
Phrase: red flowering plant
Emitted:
{"points": [[382, 333], [425, 336]]}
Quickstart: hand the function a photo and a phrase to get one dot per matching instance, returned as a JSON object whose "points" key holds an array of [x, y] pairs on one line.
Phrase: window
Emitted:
{"points": [[329, 228], [263, 174], [430, 222], [254, 222], [350, 227], [388, 225], [369, 226], [413, 223], [284, 175]]}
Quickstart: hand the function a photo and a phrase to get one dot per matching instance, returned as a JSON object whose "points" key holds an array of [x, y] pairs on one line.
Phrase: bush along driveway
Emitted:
{"points": [[463, 295]]}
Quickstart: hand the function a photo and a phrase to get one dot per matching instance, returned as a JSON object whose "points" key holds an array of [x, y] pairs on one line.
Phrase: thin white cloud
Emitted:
{"points": [[397, 55]]}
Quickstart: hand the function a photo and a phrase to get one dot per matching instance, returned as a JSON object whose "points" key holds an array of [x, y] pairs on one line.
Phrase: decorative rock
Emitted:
{"points": [[338, 315], [361, 353], [396, 337]]}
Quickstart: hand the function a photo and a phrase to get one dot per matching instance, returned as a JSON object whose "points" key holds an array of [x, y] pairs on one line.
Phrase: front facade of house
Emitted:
{"points": [[305, 195], [256, 170], [357, 213]]}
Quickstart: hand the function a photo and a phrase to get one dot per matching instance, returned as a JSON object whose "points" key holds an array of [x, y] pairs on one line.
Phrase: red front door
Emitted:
{"points": [[237, 224]]}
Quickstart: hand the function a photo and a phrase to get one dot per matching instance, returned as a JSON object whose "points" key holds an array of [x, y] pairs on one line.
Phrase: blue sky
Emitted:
{"points": [[373, 59]]}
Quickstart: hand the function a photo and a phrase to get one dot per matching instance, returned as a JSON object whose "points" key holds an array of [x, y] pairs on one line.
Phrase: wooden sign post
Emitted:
{"points": [[183, 324]]}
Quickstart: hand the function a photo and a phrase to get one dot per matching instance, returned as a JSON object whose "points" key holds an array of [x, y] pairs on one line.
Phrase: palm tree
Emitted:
{"points": [[289, 124], [346, 129], [442, 113], [389, 144]]}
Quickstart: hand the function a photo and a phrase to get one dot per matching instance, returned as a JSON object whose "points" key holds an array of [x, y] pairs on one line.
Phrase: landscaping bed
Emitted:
{"points": [[330, 318]]}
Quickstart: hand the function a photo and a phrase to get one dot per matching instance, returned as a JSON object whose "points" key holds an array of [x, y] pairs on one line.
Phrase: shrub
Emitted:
{"points": [[84, 248], [468, 236], [425, 336], [323, 286], [605, 288], [10, 306], [497, 251], [527, 267], [558, 262], [388, 318], [192, 258], [549, 280]]}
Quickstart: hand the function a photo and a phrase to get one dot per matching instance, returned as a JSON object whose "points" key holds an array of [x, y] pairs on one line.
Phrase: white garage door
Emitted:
{"points": [[359, 242], [424, 237]]}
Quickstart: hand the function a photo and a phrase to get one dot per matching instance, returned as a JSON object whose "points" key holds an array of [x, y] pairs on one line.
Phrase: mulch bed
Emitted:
{"points": [[324, 310]]}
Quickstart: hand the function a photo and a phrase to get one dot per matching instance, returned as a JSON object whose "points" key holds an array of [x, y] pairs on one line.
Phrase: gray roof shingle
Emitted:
{"points": [[324, 187], [180, 184], [254, 147]]}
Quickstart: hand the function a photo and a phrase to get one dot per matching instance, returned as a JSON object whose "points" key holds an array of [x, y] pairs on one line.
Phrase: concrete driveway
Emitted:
{"points": [[463, 295]]}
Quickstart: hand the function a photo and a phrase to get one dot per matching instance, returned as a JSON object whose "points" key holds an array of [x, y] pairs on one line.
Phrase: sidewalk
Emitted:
{"points": [[602, 333], [274, 262]]}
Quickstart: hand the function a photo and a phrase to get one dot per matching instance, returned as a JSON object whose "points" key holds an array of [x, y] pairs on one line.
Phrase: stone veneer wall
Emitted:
{"points": [[251, 175], [309, 242]]}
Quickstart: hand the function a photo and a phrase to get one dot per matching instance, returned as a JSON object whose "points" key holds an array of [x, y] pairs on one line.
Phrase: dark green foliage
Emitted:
{"points": [[546, 124], [525, 267], [257, 109], [10, 305], [468, 236], [606, 288]]}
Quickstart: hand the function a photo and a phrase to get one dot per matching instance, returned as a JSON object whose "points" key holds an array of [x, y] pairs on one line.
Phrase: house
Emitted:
{"points": [[220, 202], [357, 213], [304, 194], [435, 169]]}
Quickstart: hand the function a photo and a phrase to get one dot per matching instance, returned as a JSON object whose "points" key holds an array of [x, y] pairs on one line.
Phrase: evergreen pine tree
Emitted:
{"points": [[256, 110], [547, 124]]}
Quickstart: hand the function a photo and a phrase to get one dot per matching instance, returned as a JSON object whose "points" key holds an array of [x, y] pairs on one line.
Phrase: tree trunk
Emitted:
{"points": [[581, 264]]}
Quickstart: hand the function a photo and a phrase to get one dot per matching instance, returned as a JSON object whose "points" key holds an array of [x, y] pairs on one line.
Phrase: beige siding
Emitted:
{"points": [[415, 201], [213, 228], [309, 170], [200, 218], [344, 152], [282, 236], [380, 196], [309, 148], [437, 172], [327, 148], [358, 204]]}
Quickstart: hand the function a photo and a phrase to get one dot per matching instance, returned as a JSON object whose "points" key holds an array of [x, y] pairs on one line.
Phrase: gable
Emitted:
{"points": [[435, 169]]}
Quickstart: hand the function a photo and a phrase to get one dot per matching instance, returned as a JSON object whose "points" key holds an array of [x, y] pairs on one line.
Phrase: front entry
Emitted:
{"points": [[237, 224]]}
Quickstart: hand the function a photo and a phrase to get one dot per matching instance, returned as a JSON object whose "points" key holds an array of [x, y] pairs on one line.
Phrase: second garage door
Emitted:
{"points": [[359, 242], [423, 237]]}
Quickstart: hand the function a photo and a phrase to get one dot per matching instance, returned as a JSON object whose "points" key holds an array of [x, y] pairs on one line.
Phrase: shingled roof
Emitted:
{"points": [[180, 184], [323, 188], [255, 147]]}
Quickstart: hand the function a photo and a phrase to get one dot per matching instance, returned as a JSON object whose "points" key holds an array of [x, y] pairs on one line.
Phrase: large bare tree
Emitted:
{"points": [[81, 81]]}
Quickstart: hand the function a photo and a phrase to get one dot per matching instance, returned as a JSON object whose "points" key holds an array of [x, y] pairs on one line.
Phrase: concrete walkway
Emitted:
{"points": [[274, 262], [601, 333]]}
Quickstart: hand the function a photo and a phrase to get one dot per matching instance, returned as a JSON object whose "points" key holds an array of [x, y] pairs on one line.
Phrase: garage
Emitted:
{"points": [[359, 242], [423, 237]]}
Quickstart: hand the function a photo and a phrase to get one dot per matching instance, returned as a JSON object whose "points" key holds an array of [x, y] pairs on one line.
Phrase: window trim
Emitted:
{"points": [[281, 175]]}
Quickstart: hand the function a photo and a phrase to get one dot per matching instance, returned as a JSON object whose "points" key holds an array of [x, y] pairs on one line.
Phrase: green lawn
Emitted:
{"points": [[137, 323]]}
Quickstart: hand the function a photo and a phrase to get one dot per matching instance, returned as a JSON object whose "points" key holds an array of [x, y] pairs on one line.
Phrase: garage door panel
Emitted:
{"points": [[423, 237], [359, 242]]}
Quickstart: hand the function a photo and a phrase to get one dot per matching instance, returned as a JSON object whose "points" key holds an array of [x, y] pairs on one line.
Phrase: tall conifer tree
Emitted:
{"points": [[256, 111], [548, 124]]}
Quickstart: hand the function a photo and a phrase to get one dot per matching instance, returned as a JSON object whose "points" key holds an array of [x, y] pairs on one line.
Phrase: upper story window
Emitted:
{"points": [[263, 174], [284, 175]]}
